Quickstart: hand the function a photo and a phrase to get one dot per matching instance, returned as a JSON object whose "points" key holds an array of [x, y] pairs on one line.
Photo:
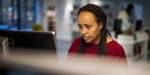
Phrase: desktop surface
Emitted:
{"points": [[49, 64]]}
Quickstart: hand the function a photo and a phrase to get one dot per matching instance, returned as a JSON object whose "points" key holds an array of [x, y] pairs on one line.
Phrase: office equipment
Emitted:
{"points": [[30, 39], [117, 26], [138, 25], [129, 45]]}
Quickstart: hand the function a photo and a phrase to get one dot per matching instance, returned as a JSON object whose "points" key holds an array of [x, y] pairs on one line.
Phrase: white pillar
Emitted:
{"points": [[63, 19]]}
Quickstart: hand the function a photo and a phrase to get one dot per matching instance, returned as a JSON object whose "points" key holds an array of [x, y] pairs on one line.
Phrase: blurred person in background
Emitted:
{"points": [[95, 40], [128, 19]]}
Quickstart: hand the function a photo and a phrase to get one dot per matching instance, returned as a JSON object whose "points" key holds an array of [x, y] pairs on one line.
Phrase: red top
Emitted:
{"points": [[113, 49]]}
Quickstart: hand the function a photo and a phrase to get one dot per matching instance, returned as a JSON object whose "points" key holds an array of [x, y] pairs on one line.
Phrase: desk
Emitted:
{"points": [[128, 42], [37, 61], [46, 62]]}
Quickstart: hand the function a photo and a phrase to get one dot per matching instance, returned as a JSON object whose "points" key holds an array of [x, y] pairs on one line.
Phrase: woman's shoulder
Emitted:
{"points": [[76, 40], [75, 45], [115, 49], [114, 44]]}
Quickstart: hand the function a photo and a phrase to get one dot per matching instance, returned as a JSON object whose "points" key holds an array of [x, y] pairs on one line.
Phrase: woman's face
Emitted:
{"points": [[88, 27]]}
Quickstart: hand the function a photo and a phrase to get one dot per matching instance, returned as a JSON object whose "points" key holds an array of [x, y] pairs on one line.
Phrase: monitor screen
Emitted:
{"points": [[30, 39], [138, 25]]}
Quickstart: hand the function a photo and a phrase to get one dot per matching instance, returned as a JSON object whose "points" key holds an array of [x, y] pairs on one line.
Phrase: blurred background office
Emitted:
{"points": [[60, 16]]}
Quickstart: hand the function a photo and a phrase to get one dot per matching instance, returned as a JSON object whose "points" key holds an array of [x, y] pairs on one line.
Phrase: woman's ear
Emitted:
{"points": [[100, 26]]}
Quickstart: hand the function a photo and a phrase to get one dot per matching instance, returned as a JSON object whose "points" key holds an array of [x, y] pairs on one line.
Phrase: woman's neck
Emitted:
{"points": [[97, 40], [108, 39]]}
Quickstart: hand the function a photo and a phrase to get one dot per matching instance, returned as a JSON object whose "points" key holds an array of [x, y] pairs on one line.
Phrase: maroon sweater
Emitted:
{"points": [[113, 49]]}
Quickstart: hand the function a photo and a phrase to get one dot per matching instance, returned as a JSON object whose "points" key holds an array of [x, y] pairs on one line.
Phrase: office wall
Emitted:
{"points": [[146, 4]]}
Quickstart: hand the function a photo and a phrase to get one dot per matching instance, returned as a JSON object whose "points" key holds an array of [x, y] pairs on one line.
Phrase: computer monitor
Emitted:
{"points": [[117, 26], [138, 25], [30, 39]]}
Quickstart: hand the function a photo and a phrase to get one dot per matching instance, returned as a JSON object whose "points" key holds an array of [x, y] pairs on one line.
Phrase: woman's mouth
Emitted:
{"points": [[86, 38]]}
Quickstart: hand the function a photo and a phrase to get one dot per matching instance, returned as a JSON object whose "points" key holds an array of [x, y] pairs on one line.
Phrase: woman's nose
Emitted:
{"points": [[83, 31]]}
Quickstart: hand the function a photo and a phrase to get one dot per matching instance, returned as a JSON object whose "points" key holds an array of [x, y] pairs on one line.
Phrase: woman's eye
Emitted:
{"points": [[88, 27], [80, 27]]}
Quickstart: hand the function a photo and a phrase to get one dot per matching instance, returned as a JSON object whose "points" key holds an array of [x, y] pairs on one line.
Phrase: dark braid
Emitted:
{"points": [[102, 44], [100, 18], [82, 46]]}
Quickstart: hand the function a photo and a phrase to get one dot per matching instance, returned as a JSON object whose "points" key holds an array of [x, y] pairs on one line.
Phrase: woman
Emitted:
{"points": [[95, 39]]}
